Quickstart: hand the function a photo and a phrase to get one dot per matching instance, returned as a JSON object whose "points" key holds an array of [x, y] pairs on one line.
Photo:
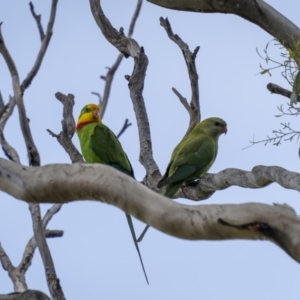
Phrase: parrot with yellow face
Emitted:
{"points": [[100, 145], [192, 157]]}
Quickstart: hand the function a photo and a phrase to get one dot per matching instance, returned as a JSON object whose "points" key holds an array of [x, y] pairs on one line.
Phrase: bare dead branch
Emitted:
{"points": [[182, 100], [45, 43], [194, 107], [276, 89], [1, 103], [17, 274], [68, 127], [134, 17], [99, 97], [111, 71], [33, 155], [34, 158], [258, 12], [31, 246], [136, 86], [108, 82], [68, 122], [131, 48], [27, 295], [38, 21], [5, 261], [127, 46], [50, 213], [125, 126], [259, 177], [5, 113], [279, 224], [52, 279]]}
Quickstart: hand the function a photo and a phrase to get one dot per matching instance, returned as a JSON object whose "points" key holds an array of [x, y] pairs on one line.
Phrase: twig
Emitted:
{"points": [[108, 82], [125, 126], [279, 136], [98, 95], [38, 21], [17, 274], [31, 246], [276, 89], [112, 70], [33, 155], [194, 107], [6, 112], [68, 127], [182, 100], [134, 18], [52, 279], [45, 43], [1, 103], [50, 213]]}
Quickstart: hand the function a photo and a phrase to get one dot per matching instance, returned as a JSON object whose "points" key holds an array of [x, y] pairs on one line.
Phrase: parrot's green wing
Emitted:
{"points": [[107, 146], [100, 145], [192, 159]]}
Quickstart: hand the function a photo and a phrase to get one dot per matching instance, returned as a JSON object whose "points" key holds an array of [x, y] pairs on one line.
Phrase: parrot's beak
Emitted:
{"points": [[96, 113], [224, 130]]}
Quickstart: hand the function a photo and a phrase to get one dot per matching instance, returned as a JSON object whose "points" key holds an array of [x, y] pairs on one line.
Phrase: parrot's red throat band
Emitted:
{"points": [[80, 125]]}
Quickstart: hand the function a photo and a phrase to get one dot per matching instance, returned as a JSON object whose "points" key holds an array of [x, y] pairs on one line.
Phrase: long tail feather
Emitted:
{"points": [[170, 191], [129, 220], [143, 233]]}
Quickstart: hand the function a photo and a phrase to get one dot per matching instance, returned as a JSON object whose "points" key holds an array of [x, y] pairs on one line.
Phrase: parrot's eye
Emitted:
{"points": [[217, 123]]}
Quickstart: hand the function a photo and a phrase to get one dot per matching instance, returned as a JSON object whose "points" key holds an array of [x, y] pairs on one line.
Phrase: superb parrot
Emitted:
{"points": [[192, 157], [100, 145]]}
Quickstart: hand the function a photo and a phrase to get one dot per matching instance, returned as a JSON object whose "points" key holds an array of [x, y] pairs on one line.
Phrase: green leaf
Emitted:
{"points": [[264, 71], [293, 99]]}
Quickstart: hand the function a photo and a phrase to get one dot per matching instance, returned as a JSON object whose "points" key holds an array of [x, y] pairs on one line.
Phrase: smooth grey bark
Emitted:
{"points": [[256, 11], [61, 183]]}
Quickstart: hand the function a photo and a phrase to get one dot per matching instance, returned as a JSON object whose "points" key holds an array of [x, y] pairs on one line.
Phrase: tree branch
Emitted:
{"points": [[189, 57], [259, 177], [31, 246], [27, 295], [33, 154], [68, 127], [5, 114], [276, 89], [129, 47], [61, 183], [38, 21], [258, 12], [17, 274], [125, 126], [45, 43], [112, 70]]}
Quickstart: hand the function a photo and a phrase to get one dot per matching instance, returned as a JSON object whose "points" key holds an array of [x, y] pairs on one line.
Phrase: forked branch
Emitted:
{"points": [[190, 57]]}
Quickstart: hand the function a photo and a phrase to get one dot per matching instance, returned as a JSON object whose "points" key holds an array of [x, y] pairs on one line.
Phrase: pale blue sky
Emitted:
{"points": [[96, 256]]}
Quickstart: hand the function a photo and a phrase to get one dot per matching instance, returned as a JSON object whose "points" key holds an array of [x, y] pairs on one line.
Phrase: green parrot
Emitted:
{"points": [[192, 157], [100, 145]]}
